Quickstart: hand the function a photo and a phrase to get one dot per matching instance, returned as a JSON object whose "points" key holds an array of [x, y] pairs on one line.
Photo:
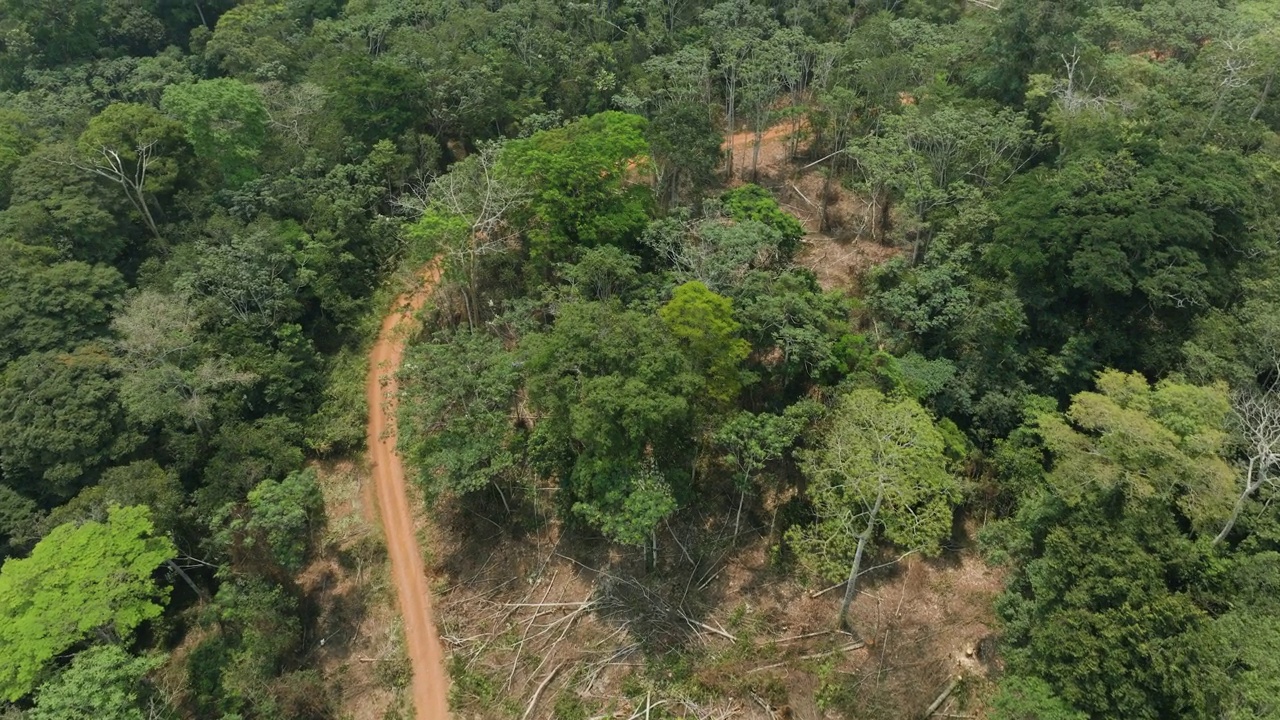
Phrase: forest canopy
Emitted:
{"points": [[1068, 342]]}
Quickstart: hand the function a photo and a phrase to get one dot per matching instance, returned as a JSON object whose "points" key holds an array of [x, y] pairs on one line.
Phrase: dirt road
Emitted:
{"points": [[430, 686]]}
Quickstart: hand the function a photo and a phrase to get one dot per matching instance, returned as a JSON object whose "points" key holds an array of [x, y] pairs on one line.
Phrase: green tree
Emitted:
{"points": [[101, 683], [1115, 256], [79, 581], [580, 177], [50, 305], [683, 140], [931, 159], [631, 517], [15, 141], [248, 275], [59, 206], [255, 40], [20, 522], [245, 453], [458, 396], [1247, 639], [702, 322], [46, 33], [615, 395], [880, 468], [226, 123], [1104, 610], [752, 441], [281, 516], [720, 255], [60, 420], [603, 273], [139, 483], [800, 334], [1024, 698], [1111, 602], [752, 202], [735, 28]]}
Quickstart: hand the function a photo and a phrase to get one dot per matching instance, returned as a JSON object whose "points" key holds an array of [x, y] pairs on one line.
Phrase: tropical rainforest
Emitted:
{"points": [[1074, 344]]}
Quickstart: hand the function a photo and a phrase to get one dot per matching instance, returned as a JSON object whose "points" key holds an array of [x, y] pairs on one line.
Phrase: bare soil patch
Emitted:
{"points": [[429, 682], [840, 251], [541, 622]]}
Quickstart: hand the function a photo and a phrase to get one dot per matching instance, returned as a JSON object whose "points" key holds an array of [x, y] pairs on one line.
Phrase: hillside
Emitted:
{"points": [[779, 358]]}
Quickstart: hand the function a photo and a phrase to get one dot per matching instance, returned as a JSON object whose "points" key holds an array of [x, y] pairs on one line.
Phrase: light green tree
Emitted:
{"points": [[95, 579], [703, 323], [1166, 442], [102, 683], [226, 123], [880, 469]]}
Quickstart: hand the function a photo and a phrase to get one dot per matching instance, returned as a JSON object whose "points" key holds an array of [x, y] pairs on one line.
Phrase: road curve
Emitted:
{"points": [[430, 685]]}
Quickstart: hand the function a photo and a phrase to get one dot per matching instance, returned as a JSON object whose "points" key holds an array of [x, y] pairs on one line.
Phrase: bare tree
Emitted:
{"points": [[130, 176], [291, 108], [1258, 416], [468, 211], [1075, 91], [1233, 69], [165, 374]]}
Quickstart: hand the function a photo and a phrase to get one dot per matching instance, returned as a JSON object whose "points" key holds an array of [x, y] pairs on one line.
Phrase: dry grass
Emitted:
{"points": [[358, 645]]}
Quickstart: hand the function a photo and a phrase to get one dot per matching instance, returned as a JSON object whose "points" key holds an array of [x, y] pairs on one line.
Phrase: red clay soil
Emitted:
{"points": [[430, 686]]}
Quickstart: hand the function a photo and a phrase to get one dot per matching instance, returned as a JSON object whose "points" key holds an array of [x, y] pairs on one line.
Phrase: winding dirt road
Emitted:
{"points": [[430, 686]]}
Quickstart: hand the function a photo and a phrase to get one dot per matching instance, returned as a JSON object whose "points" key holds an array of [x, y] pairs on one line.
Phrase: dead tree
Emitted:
{"points": [[108, 164], [480, 193], [1258, 416]]}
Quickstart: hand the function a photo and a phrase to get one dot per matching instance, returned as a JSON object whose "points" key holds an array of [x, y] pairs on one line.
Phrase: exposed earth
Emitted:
{"points": [[430, 685]]}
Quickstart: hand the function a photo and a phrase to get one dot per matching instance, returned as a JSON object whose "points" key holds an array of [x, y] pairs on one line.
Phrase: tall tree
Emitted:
{"points": [[168, 376], [752, 441], [52, 305], [929, 158], [468, 213], [735, 28], [94, 579], [226, 123], [880, 469]]}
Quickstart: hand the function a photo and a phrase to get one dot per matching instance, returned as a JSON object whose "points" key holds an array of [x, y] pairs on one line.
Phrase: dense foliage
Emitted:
{"points": [[1077, 335]]}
